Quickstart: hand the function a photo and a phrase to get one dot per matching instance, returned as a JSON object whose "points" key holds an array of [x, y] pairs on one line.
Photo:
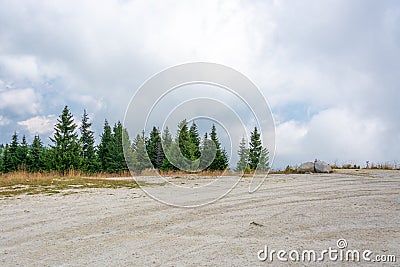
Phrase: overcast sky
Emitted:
{"points": [[329, 69]]}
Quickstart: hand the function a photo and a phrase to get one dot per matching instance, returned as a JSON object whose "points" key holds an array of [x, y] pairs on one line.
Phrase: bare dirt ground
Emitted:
{"points": [[125, 227]]}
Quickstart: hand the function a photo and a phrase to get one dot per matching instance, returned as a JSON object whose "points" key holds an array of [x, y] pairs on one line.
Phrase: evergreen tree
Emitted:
{"points": [[154, 148], [194, 138], [87, 145], [255, 149], [166, 144], [207, 153], [243, 154], [263, 164], [66, 149], [7, 160], [140, 159], [1, 158], [183, 139], [118, 159], [13, 157], [22, 154], [36, 155], [105, 149], [220, 161]]}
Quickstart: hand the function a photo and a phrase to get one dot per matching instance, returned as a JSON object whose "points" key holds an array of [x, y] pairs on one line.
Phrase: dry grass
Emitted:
{"points": [[50, 183]]}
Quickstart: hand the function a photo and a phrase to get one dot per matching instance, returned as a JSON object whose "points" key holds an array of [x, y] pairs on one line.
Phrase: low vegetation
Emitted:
{"points": [[17, 183]]}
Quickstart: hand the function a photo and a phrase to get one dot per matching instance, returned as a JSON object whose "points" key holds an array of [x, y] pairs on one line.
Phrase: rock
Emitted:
{"points": [[322, 167], [306, 167]]}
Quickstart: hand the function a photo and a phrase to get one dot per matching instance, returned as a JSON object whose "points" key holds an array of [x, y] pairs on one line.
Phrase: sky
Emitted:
{"points": [[328, 69]]}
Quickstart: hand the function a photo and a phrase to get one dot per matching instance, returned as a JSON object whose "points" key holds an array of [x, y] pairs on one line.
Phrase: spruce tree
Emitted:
{"points": [[207, 153], [87, 145], [220, 161], [183, 139], [154, 148], [118, 159], [1, 158], [7, 160], [105, 149], [66, 149], [36, 155], [13, 162], [263, 164], [22, 154], [166, 146], [140, 159], [255, 149], [243, 154], [194, 138]]}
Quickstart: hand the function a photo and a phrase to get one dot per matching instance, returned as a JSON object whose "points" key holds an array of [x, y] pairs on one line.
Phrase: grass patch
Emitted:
{"points": [[31, 185]]}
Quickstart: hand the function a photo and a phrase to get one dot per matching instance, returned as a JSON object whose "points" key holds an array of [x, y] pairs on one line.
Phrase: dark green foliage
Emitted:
{"points": [[254, 158], [36, 155], [89, 160], [106, 149], [1, 158], [118, 159], [70, 152], [184, 139], [243, 154], [220, 161], [255, 149], [7, 161], [194, 142], [66, 149], [22, 154], [140, 159], [263, 164], [166, 144], [207, 153], [154, 148]]}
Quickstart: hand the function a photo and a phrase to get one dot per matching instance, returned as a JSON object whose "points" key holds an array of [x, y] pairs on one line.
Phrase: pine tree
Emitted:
{"points": [[36, 155], [154, 148], [263, 164], [7, 160], [87, 145], [243, 154], [140, 159], [207, 153], [166, 144], [183, 139], [118, 159], [22, 154], [66, 149], [1, 158], [220, 161], [194, 138], [105, 149], [255, 149], [13, 162]]}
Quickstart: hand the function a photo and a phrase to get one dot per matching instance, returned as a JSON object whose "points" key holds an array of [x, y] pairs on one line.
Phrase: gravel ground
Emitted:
{"points": [[126, 227]]}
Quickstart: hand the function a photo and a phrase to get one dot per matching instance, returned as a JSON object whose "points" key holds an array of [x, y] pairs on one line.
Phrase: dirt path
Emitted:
{"points": [[124, 227]]}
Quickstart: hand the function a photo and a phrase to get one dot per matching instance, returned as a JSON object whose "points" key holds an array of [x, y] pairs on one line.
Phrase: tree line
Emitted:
{"points": [[69, 150]]}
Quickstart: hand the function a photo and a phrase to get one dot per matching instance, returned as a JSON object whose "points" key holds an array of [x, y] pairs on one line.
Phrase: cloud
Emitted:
{"points": [[329, 69], [39, 124], [20, 101], [334, 135], [4, 121]]}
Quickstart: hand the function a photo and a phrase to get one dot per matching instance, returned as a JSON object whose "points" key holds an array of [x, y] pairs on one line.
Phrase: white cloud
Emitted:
{"points": [[333, 135], [338, 59], [39, 124], [20, 67], [4, 121], [20, 101]]}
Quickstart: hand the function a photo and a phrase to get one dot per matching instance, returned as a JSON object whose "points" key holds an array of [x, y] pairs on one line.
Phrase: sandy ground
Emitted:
{"points": [[125, 227]]}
